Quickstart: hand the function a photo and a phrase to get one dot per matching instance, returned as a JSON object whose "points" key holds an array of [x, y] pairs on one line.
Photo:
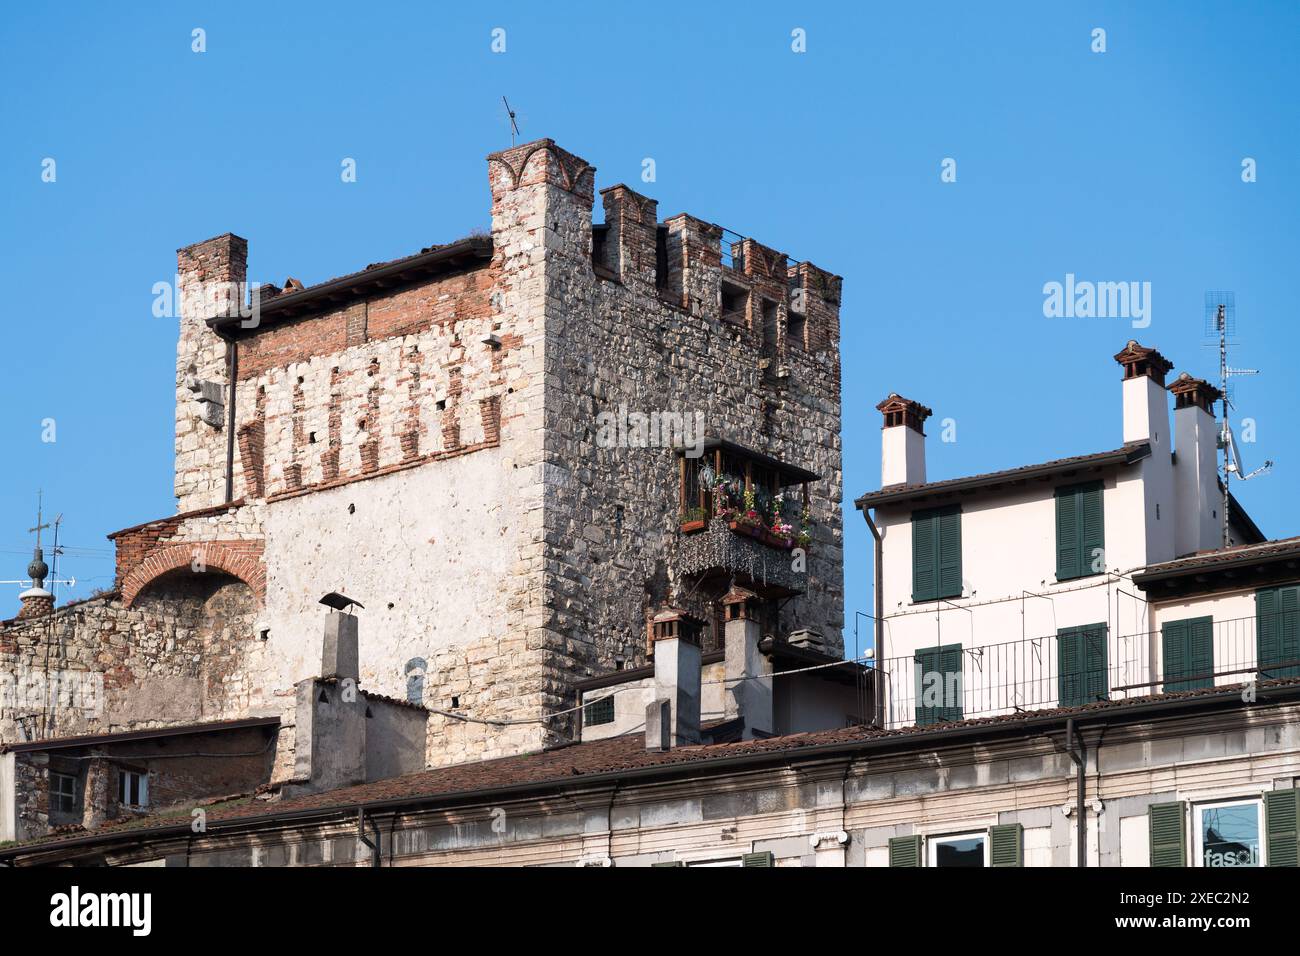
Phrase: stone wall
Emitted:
{"points": [[186, 651], [626, 340]]}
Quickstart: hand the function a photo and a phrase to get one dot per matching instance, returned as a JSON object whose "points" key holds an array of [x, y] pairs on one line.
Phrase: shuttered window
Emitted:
{"points": [[1188, 653], [1081, 664], [936, 553], [1080, 531], [1277, 631], [1007, 845], [757, 859], [1168, 833], [905, 851], [938, 684], [1282, 813]]}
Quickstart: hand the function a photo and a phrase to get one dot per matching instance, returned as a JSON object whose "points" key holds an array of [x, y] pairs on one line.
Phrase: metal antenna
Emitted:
{"points": [[40, 498], [514, 127], [1223, 307]]}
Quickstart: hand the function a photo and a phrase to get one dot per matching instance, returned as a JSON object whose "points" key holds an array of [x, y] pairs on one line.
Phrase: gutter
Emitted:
{"points": [[1029, 727], [1072, 733], [878, 625], [375, 861]]}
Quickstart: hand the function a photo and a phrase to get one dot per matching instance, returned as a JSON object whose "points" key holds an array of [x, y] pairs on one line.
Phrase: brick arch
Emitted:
{"points": [[239, 559]]}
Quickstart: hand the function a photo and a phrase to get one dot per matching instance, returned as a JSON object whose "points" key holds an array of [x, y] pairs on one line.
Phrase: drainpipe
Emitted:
{"points": [[361, 835], [878, 630], [232, 370], [1080, 759]]}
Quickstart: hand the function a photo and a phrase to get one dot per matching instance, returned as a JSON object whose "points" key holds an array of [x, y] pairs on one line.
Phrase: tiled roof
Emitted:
{"points": [[612, 756], [893, 494], [1220, 557]]}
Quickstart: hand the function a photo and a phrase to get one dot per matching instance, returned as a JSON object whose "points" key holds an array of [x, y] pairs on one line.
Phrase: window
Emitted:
{"points": [[963, 849], [938, 684], [1228, 834], [795, 329], [1081, 664], [599, 712], [1080, 531], [1188, 653], [63, 792], [734, 304], [132, 788], [1277, 631], [936, 553]]}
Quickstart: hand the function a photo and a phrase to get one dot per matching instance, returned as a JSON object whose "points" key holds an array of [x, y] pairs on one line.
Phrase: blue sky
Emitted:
{"points": [[1115, 166]]}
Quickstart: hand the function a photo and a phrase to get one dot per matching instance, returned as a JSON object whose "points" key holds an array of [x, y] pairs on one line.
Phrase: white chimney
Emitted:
{"points": [[1146, 404], [748, 679], [1146, 419], [902, 441], [673, 718], [1196, 472]]}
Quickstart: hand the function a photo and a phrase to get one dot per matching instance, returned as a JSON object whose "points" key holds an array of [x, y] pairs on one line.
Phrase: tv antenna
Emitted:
{"points": [[1221, 320], [37, 571], [514, 126]]}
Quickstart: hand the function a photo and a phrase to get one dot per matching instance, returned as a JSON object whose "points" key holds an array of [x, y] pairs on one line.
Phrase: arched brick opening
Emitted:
{"points": [[240, 559]]}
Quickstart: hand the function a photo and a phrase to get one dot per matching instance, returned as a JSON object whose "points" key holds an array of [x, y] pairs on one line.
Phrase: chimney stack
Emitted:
{"points": [[673, 719], [748, 684], [340, 657], [902, 441], [36, 601], [1196, 473], [1146, 406]]}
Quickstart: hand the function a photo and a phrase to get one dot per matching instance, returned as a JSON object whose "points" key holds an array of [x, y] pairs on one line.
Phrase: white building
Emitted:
{"points": [[1053, 584]]}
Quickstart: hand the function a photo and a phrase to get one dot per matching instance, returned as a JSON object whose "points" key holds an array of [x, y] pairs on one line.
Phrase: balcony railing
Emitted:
{"points": [[1030, 674]]}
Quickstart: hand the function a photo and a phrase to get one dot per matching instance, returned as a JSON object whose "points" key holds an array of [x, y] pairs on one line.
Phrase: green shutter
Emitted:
{"points": [[1081, 669], [946, 663], [936, 553], [925, 557], [1282, 810], [1007, 845], [1067, 534], [1092, 528], [1168, 835], [1277, 617], [757, 859], [905, 851], [949, 528], [1080, 531], [1188, 653]]}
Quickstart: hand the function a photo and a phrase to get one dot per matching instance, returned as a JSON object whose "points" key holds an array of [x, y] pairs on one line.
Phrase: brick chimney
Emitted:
{"points": [[673, 719], [902, 441], [1196, 471], [748, 680]]}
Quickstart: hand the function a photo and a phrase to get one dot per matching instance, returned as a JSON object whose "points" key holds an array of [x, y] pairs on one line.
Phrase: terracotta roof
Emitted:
{"points": [[616, 756], [895, 494], [1223, 557]]}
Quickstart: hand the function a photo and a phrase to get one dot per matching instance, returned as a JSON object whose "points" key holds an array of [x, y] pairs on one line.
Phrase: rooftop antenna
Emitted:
{"points": [[514, 127], [1221, 321], [37, 571]]}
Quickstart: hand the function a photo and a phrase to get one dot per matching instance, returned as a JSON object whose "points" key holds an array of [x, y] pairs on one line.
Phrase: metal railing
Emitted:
{"points": [[1031, 674]]}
